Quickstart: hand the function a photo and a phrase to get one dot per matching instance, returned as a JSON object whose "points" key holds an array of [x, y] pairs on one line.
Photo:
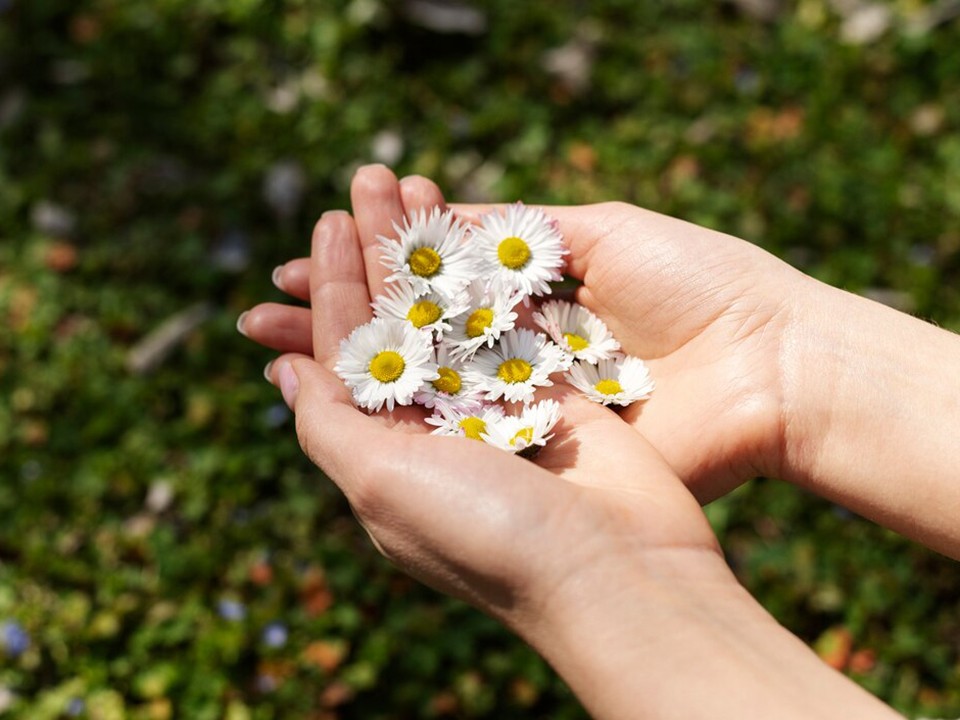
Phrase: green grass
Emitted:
{"points": [[154, 123]]}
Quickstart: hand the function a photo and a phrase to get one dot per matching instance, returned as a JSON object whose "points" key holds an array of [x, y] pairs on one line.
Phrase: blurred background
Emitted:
{"points": [[166, 552]]}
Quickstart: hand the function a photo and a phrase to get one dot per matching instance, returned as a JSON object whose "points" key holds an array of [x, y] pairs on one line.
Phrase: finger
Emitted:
{"points": [[338, 438], [436, 506], [472, 212], [339, 297], [282, 327], [377, 205], [420, 193], [293, 278], [330, 429], [327, 421], [585, 426]]}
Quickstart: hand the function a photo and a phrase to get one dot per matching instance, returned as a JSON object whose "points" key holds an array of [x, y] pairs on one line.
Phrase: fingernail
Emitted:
{"points": [[240, 321], [289, 384], [275, 276], [266, 372]]}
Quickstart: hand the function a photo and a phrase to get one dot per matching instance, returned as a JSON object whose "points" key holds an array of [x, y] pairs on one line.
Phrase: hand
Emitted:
{"points": [[597, 554], [527, 542], [439, 487], [760, 369], [709, 313]]}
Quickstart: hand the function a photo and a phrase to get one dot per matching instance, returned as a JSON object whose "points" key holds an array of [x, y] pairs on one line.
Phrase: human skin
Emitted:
{"points": [[760, 369], [597, 554]]}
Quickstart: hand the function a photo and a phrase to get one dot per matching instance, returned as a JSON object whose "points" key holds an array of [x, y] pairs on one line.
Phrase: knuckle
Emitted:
{"points": [[307, 441], [616, 207]]}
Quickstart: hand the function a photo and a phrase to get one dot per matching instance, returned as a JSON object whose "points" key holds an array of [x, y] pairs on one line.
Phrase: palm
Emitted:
{"points": [[691, 305], [476, 522]]}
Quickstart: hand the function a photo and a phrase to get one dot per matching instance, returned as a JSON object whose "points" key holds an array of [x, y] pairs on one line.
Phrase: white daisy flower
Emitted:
{"points": [[514, 369], [469, 420], [430, 253], [576, 330], [452, 387], [489, 313], [619, 381], [386, 362], [527, 432], [522, 248], [429, 311]]}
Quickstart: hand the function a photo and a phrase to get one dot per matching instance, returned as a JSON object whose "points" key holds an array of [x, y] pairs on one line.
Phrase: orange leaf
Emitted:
{"points": [[314, 593], [261, 573], [862, 661], [834, 647], [582, 156], [325, 654], [60, 257], [336, 693]]}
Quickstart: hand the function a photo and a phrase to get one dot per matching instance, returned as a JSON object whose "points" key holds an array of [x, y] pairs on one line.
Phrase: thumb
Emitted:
{"points": [[329, 427]]}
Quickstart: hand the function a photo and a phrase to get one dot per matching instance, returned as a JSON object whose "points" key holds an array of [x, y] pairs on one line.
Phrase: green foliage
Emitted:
{"points": [[155, 524]]}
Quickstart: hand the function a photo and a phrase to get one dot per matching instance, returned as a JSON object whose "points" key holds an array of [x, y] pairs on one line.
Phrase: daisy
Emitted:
{"points": [[451, 387], [576, 330], [522, 248], [386, 361], [619, 381], [469, 420], [489, 313], [430, 253], [428, 311], [515, 368], [527, 432]]}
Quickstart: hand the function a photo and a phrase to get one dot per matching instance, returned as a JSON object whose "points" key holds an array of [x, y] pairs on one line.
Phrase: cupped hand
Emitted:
{"points": [[512, 536], [709, 312], [713, 317]]}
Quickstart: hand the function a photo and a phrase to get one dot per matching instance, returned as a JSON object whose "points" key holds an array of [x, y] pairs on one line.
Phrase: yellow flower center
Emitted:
{"points": [[448, 382], [425, 262], [515, 370], [525, 434], [479, 320], [424, 313], [576, 342], [608, 386], [472, 427], [387, 366], [513, 252]]}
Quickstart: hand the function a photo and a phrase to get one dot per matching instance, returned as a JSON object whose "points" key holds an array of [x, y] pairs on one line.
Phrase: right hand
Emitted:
{"points": [[712, 315]]}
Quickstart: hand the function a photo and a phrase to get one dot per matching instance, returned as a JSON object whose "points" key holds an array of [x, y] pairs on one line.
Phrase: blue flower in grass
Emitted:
{"points": [[231, 610], [14, 638], [275, 635]]}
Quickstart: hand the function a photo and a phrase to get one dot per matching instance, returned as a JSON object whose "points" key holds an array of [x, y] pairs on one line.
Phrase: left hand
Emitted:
{"points": [[597, 554], [464, 517]]}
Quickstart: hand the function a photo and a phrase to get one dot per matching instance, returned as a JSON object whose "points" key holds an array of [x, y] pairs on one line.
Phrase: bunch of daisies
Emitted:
{"points": [[446, 336]]}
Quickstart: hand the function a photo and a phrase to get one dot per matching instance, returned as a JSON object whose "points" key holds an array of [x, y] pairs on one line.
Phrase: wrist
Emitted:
{"points": [[872, 400], [614, 628], [808, 366], [674, 635]]}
